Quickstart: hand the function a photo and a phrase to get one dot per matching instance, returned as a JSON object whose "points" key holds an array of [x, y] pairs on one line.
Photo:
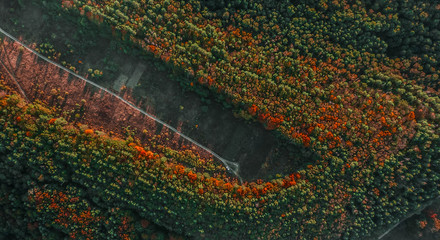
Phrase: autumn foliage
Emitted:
{"points": [[354, 82]]}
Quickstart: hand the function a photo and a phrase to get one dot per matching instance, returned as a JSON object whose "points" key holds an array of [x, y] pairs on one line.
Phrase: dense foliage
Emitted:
{"points": [[307, 84], [42, 192], [355, 81], [46, 161]]}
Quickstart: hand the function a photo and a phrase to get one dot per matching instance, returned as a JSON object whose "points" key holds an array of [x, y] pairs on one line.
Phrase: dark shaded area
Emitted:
{"points": [[411, 228]]}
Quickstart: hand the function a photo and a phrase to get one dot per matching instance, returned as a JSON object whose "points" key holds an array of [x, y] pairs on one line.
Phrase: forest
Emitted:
{"points": [[350, 87]]}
